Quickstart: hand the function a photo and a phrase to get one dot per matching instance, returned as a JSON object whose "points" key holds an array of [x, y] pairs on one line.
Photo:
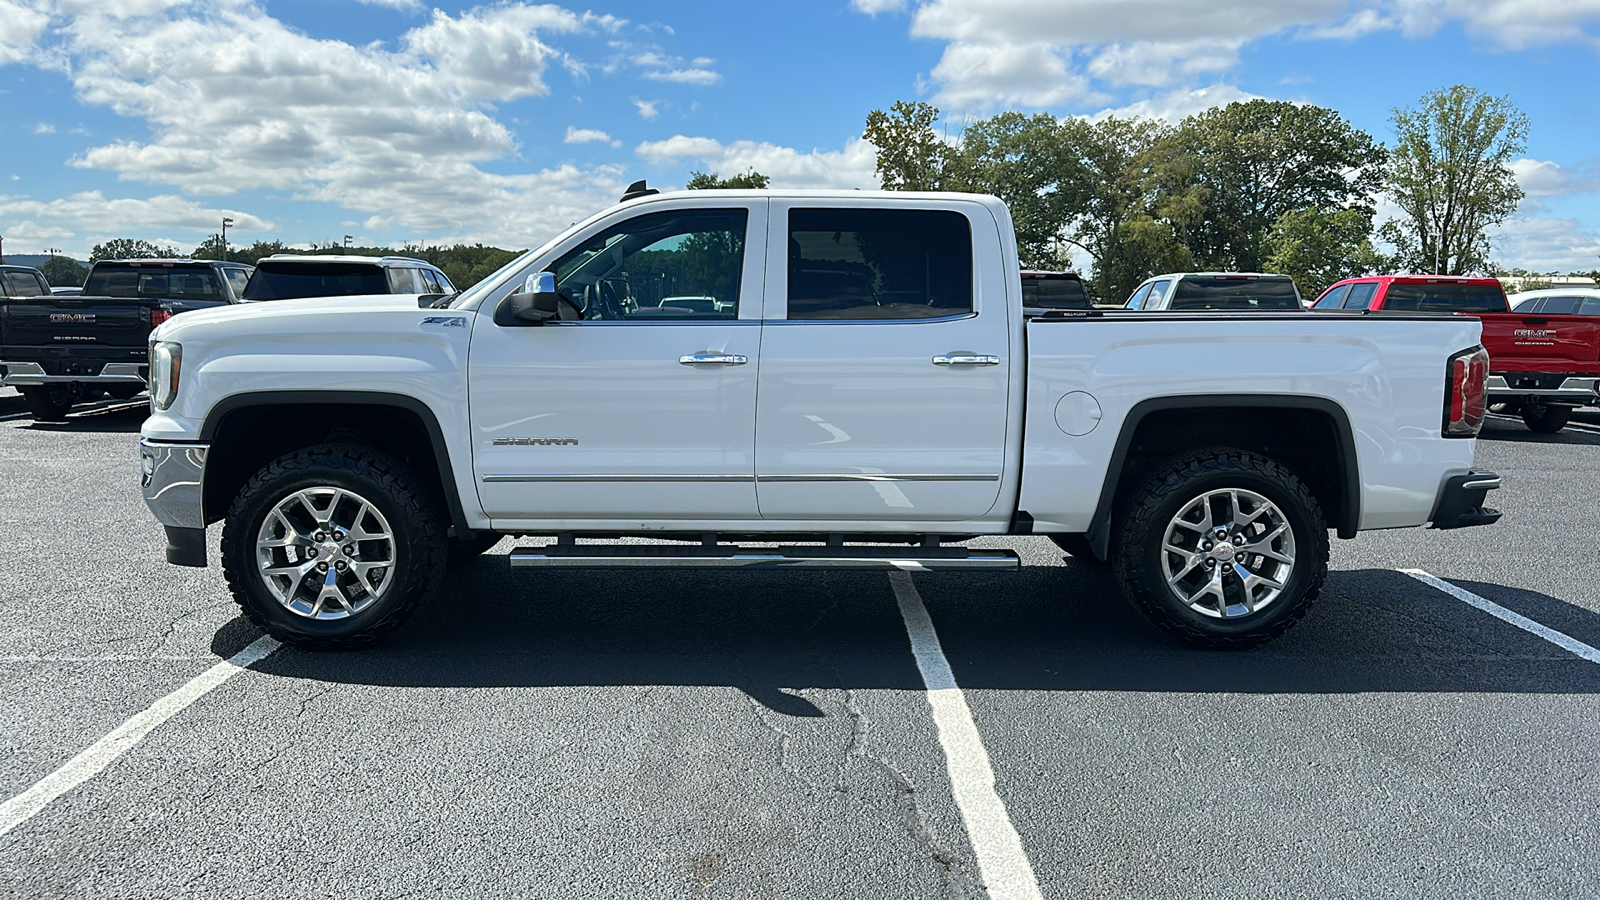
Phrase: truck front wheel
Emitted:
{"points": [[1222, 549], [331, 547], [1545, 418]]}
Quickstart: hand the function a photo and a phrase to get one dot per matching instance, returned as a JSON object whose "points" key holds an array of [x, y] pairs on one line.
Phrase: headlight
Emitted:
{"points": [[166, 360]]}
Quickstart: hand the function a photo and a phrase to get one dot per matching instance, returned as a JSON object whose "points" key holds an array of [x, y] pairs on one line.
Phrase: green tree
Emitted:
{"points": [[911, 156], [125, 248], [703, 181], [1033, 164], [1319, 248], [1258, 160], [1450, 173], [62, 271]]}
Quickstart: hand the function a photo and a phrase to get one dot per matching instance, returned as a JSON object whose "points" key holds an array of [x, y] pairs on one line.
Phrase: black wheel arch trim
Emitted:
{"points": [[441, 452], [1348, 517]]}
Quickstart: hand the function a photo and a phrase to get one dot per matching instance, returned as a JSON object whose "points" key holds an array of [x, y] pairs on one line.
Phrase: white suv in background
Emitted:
{"points": [[290, 276], [1216, 290]]}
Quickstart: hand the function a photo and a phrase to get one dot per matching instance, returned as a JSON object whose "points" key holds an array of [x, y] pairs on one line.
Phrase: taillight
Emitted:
{"points": [[1466, 393], [159, 315]]}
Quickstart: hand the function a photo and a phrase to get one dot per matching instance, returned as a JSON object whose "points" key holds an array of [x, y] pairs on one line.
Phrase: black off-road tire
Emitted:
{"points": [[390, 486], [462, 552], [49, 402], [1545, 418], [1137, 543], [1077, 547]]}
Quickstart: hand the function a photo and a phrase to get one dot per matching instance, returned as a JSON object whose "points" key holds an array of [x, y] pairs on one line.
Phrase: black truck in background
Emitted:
{"points": [[62, 350]]}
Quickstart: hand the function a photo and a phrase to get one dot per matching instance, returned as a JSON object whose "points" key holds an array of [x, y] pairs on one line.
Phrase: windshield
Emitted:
{"points": [[153, 282], [288, 281], [1444, 298], [1232, 292]]}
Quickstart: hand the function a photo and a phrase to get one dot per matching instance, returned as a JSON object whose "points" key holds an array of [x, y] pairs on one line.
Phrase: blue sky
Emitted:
{"points": [[400, 120]]}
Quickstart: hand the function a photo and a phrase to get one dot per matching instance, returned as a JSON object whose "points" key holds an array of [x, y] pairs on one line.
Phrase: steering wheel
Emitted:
{"points": [[611, 293]]}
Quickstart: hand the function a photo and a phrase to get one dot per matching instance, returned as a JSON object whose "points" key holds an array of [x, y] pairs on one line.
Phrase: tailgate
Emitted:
{"points": [[1542, 343], [82, 321]]}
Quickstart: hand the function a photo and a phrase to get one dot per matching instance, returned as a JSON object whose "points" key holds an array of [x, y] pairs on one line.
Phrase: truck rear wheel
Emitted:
{"points": [[331, 547], [1545, 418], [1222, 549], [50, 402]]}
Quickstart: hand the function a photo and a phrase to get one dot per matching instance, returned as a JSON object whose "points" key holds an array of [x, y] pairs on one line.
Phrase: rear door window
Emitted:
{"points": [[1157, 292], [237, 279], [1590, 307], [430, 284], [879, 264], [1333, 299], [1361, 296]]}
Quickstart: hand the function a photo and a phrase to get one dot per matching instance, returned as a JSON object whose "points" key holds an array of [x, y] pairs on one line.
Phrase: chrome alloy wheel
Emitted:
{"points": [[1228, 553], [325, 553]]}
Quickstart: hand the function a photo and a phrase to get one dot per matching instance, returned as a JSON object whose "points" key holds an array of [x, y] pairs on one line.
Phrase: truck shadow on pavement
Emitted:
{"points": [[1512, 431], [1044, 629], [103, 417]]}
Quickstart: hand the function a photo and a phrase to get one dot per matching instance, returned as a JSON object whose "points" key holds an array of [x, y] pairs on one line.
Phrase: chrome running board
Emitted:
{"points": [[728, 556]]}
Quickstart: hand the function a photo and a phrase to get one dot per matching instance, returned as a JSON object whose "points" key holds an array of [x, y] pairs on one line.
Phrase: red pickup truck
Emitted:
{"points": [[1542, 366]]}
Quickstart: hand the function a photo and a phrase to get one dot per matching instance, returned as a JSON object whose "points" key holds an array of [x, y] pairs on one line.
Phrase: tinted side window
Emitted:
{"points": [[292, 280], [1361, 296], [1157, 292], [1561, 306], [879, 264], [1590, 307], [445, 286], [1530, 305], [237, 279], [404, 281], [1446, 298], [24, 284], [685, 264], [1224, 292], [1332, 299], [1137, 300]]}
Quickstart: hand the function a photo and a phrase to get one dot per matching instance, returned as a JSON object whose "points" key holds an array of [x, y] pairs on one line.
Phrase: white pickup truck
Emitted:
{"points": [[862, 390]]}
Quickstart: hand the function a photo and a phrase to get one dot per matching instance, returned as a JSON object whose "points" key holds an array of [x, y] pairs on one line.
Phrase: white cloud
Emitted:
{"points": [[684, 76], [1543, 178], [873, 7], [24, 24], [44, 128], [402, 5], [1175, 106], [647, 108], [1042, 53], [658, 66], [852, 167], [235, 101], [1541, 244], [589, 136], [982, 76], [84, 219]]}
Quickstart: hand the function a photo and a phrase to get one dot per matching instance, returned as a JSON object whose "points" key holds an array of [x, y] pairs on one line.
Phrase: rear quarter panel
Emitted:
{"points": [[1388, 375]]}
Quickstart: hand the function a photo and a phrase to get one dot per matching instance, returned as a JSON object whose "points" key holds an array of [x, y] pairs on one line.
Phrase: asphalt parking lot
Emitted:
{"points": [[637, 734]]}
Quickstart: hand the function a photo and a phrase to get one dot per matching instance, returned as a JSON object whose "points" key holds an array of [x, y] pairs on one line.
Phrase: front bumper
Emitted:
{"points": [[172, 477], [18, 374], [1578, 390], [1461, 501]]}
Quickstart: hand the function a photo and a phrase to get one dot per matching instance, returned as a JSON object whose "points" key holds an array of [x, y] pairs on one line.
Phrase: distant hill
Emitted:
{"points": [[35, 259]]}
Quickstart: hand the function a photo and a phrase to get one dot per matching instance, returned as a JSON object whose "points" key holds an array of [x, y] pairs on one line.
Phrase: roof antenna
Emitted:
{"points": [[637, 190]]}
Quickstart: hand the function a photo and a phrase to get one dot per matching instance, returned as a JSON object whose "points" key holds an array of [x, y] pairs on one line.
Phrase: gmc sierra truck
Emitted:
{"points": [[59, 350], [1541, 366], [863, 391]]}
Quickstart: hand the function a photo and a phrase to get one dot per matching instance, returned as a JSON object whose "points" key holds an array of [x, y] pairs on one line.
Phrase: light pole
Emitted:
{"points": [[347, 242], [225, 223]]}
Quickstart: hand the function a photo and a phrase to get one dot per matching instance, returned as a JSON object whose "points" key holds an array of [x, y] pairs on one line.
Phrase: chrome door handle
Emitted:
{"points": [[966, 358], [713, 359]]}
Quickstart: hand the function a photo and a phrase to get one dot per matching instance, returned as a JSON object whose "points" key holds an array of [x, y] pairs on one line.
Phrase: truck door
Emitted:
{"points": [[884, 364], [640, 402]]}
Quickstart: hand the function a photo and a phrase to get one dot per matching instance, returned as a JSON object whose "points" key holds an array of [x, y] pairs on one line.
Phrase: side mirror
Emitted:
{"points": [[535, 304]]}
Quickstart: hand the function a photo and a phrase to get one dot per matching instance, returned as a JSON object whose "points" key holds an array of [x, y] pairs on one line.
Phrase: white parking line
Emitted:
{"points": [[1563, 641], [1002, 863], [105, 751]]}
